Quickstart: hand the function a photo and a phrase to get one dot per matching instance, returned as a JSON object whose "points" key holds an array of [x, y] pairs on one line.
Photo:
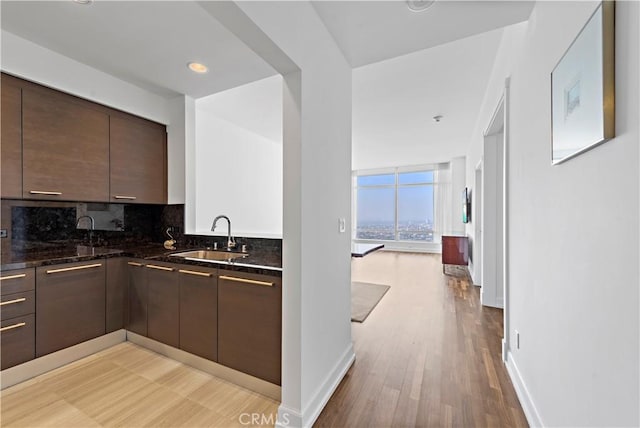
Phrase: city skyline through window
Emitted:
{"points": [[395, 207]]}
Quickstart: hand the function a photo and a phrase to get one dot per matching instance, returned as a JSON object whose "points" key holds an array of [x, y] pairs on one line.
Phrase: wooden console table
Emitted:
{"points": [[455, 251]]}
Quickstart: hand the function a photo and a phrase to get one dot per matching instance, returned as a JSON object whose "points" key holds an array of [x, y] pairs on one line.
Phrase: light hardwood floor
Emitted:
{"points": [[129, 386], [428, 355]]}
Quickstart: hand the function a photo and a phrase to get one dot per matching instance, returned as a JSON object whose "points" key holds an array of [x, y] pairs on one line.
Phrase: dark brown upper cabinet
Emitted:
{"points": [[138, 160], [65, 144], [11, 147], [56, 146]]}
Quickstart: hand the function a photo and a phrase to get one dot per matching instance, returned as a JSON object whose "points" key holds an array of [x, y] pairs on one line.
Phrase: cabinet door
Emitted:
{"points": [[11, 136], [70, 305], [250, 324], [65, 147], [116, 294], [137, 314], [163, 304], [199, 311], [138, 160]]}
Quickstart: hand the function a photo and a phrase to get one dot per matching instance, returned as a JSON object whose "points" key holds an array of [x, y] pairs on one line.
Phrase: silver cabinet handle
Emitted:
{"points": [[44, 192], [11, 327], [131, 198], [168, 269], [193, 272], [135, 264], [246, 281], [21, 275], [11, 302], [74, 268]]}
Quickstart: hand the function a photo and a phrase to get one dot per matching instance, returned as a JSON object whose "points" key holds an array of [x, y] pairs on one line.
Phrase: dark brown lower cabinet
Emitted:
{"points": [[17, 312], [163, 304], [116, 294], [70, 305], [250, 324], [199, 311], [137, 284], [17, 336]]}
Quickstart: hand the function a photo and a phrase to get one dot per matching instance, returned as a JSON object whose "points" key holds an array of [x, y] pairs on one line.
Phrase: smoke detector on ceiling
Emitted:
{"points": [[437, 118], [419, 5]]}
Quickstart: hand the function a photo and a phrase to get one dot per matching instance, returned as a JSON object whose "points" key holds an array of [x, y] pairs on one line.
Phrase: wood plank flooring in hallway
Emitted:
{"points": [[428, 355]]}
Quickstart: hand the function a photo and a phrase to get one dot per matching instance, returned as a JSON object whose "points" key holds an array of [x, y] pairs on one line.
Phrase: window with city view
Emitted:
{"points": [[395, 206]]}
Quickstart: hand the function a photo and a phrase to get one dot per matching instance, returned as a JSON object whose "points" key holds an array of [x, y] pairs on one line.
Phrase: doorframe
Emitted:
{"points": [[505, 216], [501, 113], [478, 215]]}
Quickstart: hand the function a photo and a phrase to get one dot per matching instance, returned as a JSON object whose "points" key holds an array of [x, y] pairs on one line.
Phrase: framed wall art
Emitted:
{"points": [[583, 89]]}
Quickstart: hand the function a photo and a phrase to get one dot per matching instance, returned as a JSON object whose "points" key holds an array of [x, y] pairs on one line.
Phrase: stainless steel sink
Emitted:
{"points": [[210, 255]]}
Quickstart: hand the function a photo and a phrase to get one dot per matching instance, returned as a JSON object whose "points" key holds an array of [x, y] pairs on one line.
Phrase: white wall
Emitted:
{"points": [[239, 174], [491, 278], [238, 161], [508, 53], [317, 347], [25, 59], [458, 183], [572, 236], [176, 141]]}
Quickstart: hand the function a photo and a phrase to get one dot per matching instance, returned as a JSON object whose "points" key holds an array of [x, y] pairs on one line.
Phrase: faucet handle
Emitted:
{"points": [[231, 243]]}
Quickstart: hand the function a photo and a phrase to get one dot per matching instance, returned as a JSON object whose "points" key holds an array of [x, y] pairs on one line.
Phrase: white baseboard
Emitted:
{"points": [[324, 392], [491, 302], [529, 408], [288, 418], [505, 350], [223, 372], [46, 363]]}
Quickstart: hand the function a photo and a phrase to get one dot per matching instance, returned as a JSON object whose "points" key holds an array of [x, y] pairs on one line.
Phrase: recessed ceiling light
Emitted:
{"points": [[85, 2], [197, 67], [419, 5]]}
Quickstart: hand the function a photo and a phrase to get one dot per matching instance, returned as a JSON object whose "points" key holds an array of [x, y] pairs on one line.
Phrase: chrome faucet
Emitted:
{"points": [[231, 243], [91, 228]]}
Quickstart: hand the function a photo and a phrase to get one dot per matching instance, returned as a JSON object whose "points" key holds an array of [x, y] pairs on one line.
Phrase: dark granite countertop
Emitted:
{"points": [[260, 261]]}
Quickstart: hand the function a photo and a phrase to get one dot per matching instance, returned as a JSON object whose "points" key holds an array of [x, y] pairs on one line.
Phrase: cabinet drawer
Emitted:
{"points": [[17, 304], [18, 340], [16, 281]]}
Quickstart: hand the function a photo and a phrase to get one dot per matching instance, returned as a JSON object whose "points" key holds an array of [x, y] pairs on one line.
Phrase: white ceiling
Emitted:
{"points": [[371, 31], [394, 103], [420, 64], [147, 43]]}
